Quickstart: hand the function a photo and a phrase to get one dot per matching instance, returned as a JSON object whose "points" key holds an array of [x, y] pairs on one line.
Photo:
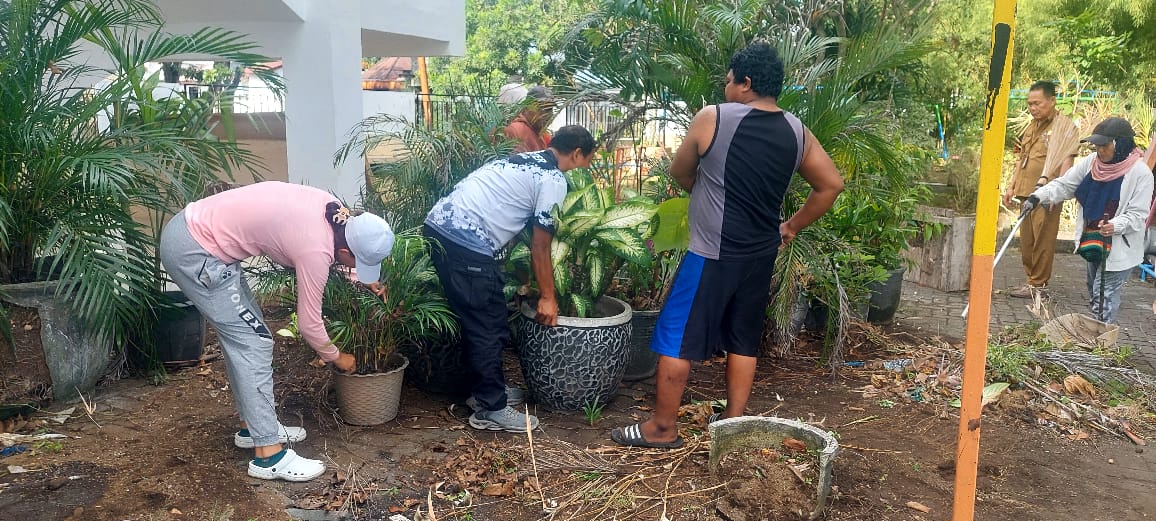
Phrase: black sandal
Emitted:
{"points": [[632, 437]]}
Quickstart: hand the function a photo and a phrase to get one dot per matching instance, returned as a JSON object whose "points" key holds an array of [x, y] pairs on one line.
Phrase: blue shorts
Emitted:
{"points": [[715, 307]]}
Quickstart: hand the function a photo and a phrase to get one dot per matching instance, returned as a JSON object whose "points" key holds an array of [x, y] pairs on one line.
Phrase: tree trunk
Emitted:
{"points": [[171, 72]]}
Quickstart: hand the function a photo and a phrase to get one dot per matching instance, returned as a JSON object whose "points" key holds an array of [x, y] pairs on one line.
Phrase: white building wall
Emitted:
{"points": [[401, 104], [414, 28], [321, 43]]}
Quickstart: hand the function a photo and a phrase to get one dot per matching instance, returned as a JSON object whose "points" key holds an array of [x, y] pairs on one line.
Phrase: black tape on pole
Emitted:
{"points": [[995, 69]]}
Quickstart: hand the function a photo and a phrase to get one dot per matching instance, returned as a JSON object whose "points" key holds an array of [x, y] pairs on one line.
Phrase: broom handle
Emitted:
{"points": [[1007, 242], [999, 255]]}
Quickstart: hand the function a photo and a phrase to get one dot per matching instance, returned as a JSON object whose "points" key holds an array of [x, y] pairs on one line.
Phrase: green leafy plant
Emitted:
{"points": [[1011, 352], [291, 330], [49, 446], [1119, 355], [594, 237], [878, 213], [588, 475], [370, 328], [645, 287]]}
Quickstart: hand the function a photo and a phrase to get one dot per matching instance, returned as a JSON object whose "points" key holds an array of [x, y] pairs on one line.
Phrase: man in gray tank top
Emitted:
{"points": [[736, 161]]}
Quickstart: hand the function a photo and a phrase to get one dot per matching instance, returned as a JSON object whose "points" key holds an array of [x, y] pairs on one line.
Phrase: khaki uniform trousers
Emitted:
{"points": [[1038, 243]]}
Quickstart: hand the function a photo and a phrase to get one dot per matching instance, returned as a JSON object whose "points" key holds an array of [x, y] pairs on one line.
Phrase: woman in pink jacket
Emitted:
{"points": [[293, 225]]}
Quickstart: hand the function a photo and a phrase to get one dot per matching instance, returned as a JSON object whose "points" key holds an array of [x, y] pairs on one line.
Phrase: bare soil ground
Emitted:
{"points": [[23, 374], [149, 452]]}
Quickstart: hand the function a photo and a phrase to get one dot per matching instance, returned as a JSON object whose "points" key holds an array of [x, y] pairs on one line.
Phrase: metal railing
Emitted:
{"points": [[245, 99], [443, 106], [601, 116]]}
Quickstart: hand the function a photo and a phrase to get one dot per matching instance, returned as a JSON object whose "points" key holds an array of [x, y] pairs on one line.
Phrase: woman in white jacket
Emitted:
{"points": [[1114, 189]]}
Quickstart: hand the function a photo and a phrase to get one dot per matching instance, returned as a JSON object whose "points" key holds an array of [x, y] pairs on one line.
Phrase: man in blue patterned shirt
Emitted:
{"points": [[485, 211]]}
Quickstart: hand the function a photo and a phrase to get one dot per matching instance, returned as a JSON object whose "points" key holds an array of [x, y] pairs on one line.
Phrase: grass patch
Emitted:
{"points": [[1011, 352]]}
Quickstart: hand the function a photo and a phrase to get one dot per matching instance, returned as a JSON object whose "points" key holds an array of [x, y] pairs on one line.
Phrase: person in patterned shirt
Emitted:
{"points": [[484, 212]]}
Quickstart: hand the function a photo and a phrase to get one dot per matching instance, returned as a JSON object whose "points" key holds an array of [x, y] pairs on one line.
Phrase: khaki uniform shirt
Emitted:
{"points": [[1033, 153]]}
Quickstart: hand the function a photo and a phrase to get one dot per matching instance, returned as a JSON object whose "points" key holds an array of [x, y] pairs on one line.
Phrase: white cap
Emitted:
{"points": [[371, 240], [512, 94]]}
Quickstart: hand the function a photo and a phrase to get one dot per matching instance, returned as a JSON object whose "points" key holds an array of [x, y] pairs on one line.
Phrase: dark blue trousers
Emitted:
{"points": [[473, 286]]}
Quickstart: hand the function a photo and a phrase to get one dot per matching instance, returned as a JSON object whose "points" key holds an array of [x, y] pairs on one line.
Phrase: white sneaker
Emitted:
{"points": [[514, 397], [287, 435], [291, 468], [508, 419]]}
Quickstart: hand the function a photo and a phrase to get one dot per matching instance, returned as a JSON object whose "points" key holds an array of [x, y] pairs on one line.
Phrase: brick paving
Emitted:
{"points": [[937, 312]]}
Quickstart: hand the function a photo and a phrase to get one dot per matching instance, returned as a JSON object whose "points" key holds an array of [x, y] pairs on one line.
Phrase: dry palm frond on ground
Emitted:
{"points": [[1065, 390]]}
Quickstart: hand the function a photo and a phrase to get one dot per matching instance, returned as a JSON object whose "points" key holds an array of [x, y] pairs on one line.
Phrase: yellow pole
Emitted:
{"points": [[426, 105], [982, 258]]}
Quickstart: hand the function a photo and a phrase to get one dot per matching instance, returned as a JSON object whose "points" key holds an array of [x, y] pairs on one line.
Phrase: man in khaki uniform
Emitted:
{"points": [[1044, 151]]}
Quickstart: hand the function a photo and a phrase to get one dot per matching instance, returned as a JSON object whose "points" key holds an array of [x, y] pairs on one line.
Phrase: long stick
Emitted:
{"points": [[426, 105], [1103, 271], [534, 461], [999, 255]]}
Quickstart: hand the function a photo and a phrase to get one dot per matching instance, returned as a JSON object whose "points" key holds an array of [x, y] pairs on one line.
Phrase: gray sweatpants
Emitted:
{"points": [[224, 298]]}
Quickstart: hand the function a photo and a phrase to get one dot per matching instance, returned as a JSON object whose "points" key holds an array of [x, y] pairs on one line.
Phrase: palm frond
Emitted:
{"points": [[106, 279], [371, 329], [430, 160]]}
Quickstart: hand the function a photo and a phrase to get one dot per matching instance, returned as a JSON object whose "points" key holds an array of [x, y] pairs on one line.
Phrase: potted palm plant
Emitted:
{"points": [[79, 164], [373, 329], [580, 362]]}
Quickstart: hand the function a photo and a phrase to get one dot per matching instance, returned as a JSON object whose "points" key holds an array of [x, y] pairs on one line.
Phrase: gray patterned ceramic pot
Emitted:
{"points": [[580, 361]]}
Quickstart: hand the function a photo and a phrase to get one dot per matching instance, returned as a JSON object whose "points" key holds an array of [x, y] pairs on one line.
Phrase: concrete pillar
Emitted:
{"points": [[322, 65]]}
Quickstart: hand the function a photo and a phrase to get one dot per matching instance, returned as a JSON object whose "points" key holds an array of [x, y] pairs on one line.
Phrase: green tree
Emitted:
{"points": [[504, 38], [1110, 43], [958, 61]]}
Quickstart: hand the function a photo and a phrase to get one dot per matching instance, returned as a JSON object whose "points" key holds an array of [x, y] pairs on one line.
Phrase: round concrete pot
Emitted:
{"points": [[76, 357], [578, 362], [756, 432]]}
